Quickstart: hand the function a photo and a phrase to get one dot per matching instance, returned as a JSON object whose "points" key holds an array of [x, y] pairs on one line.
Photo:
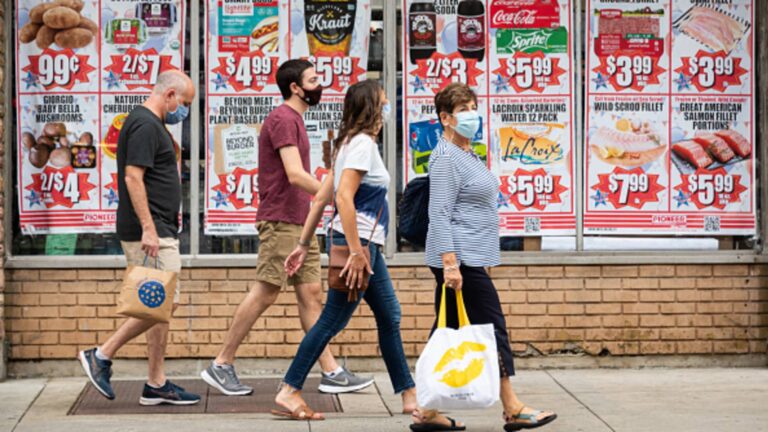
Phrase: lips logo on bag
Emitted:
{"points": [[457, 377], [152, 293]]}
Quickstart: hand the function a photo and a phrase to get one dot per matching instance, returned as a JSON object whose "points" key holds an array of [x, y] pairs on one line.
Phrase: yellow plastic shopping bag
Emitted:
{"points": [[459, 368]]}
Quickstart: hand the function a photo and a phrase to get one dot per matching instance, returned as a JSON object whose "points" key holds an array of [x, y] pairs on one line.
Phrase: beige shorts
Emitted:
{"points": [[276, 241], [168, 258]]}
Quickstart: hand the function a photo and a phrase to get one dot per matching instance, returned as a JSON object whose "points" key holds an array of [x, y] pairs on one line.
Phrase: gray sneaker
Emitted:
{"points": [[344, 382], [224, 379]]}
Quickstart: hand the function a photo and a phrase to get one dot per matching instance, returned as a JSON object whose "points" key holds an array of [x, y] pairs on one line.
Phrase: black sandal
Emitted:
{"points": [[434, 427], [531, 420]]}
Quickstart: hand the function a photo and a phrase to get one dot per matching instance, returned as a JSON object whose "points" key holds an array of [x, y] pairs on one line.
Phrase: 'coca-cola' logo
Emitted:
{"points": [[516, 19], [519, 15]]}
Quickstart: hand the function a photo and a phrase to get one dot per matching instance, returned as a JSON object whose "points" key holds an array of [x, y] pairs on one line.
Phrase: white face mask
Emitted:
{"points": [[467, 124], [386, 112]]}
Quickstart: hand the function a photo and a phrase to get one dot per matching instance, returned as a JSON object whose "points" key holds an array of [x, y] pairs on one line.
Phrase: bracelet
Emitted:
{"points": [[449, 268], [304, 243]]}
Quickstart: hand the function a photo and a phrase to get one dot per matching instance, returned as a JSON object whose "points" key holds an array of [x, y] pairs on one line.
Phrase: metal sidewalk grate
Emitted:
{"points": [[127, 393]]}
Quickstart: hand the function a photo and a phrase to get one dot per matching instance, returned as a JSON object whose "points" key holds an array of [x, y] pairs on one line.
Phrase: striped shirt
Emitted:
{"points": [[463, 215]]}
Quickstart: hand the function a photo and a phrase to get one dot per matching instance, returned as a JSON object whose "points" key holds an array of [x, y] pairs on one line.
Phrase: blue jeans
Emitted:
{"points": [[382, 300]]}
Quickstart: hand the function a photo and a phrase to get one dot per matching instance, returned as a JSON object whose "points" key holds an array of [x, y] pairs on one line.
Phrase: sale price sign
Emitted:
{"points": [[633, 188], [240, 187], [60, 187], [626, 70], [137, 69], [710, 71], [338, 72], [532, 189], [530, 72], [436, 72], [54, 69], [246, 71], [715, 189]]}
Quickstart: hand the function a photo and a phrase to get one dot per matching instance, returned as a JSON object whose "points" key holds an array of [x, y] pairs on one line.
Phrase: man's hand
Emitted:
{"points": [[150, 242]]}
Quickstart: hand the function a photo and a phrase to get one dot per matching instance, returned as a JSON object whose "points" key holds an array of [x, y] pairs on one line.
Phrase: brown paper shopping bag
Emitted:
{"points": [[147, 293]]}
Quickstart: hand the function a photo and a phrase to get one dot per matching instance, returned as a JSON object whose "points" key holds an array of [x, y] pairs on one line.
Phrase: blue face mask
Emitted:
{"points": [[467, 124], [177, 116], [386, 112]]}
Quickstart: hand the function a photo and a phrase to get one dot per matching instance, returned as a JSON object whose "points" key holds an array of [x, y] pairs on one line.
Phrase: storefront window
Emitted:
{"points": [[651, 151]]}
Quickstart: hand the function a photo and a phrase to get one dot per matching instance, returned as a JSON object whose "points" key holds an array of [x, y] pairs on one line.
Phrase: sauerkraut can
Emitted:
{"points": [[670, 118], [75, 84]]}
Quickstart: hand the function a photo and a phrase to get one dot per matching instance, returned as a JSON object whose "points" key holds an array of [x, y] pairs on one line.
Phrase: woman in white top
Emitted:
{"points": [[362, 214]]}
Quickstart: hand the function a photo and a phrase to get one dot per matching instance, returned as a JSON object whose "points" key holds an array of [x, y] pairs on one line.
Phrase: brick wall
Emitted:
{"points": [[621, 310]]}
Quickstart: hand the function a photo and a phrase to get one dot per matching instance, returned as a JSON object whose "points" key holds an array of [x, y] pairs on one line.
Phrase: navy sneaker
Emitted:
{"points": [[98, 371], [170, 393]]}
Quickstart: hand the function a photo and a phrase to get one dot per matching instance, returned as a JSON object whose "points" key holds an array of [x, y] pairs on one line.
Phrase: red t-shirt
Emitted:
{"points": [[279, 201]]}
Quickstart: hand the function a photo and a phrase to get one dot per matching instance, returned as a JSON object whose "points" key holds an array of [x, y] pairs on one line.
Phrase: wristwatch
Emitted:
{"points": [[304, 243]]}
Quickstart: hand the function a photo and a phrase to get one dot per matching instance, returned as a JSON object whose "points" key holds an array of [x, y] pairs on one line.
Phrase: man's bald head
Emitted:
{"points": [[172, 88], [173, 79]]}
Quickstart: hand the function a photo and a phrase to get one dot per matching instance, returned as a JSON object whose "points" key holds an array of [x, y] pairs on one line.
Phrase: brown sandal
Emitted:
{"points": [[302, 412]]}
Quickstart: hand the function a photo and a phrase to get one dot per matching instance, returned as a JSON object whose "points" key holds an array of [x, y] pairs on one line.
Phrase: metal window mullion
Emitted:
{"points": [[761, 71], [390, 131], [8, 162], [194, 68], [578, 146]]}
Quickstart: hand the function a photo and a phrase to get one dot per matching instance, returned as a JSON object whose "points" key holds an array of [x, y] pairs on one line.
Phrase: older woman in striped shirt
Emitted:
{"points": [[463, 239]]}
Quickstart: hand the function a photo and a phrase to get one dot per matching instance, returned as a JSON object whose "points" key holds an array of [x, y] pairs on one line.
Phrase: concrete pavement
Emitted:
{"points": [[625, 400]]}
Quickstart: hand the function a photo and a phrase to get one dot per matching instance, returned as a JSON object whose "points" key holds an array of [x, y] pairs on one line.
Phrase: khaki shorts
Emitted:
{"points": [[168, 258], [276, 241]]}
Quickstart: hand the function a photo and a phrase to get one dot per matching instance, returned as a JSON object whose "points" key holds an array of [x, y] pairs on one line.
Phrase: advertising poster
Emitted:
{"points": [[245, 44], [669, 120], [517, 57], [81, 67], [531, 112]]}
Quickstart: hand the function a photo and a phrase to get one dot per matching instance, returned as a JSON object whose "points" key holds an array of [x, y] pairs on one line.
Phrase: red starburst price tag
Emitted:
{"points": [[629, 70], [61, 186], [247, 70], [633, 188], [436, 72], [139, 69], [61, 69], [240, 187], [714, 188], [532, 189], [337, 72], [712, 71], [530, 72]]}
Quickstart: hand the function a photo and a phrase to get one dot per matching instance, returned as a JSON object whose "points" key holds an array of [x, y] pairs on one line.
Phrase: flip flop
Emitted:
{"points": [[531, 420], [302, 413], [435, 427]]}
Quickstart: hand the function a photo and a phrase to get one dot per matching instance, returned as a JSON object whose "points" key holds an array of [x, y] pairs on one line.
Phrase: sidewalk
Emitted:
{"points": [[652, 400]]}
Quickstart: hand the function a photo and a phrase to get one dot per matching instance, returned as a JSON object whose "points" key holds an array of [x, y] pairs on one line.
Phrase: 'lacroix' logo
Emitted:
{"points": [[460, 377]]}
